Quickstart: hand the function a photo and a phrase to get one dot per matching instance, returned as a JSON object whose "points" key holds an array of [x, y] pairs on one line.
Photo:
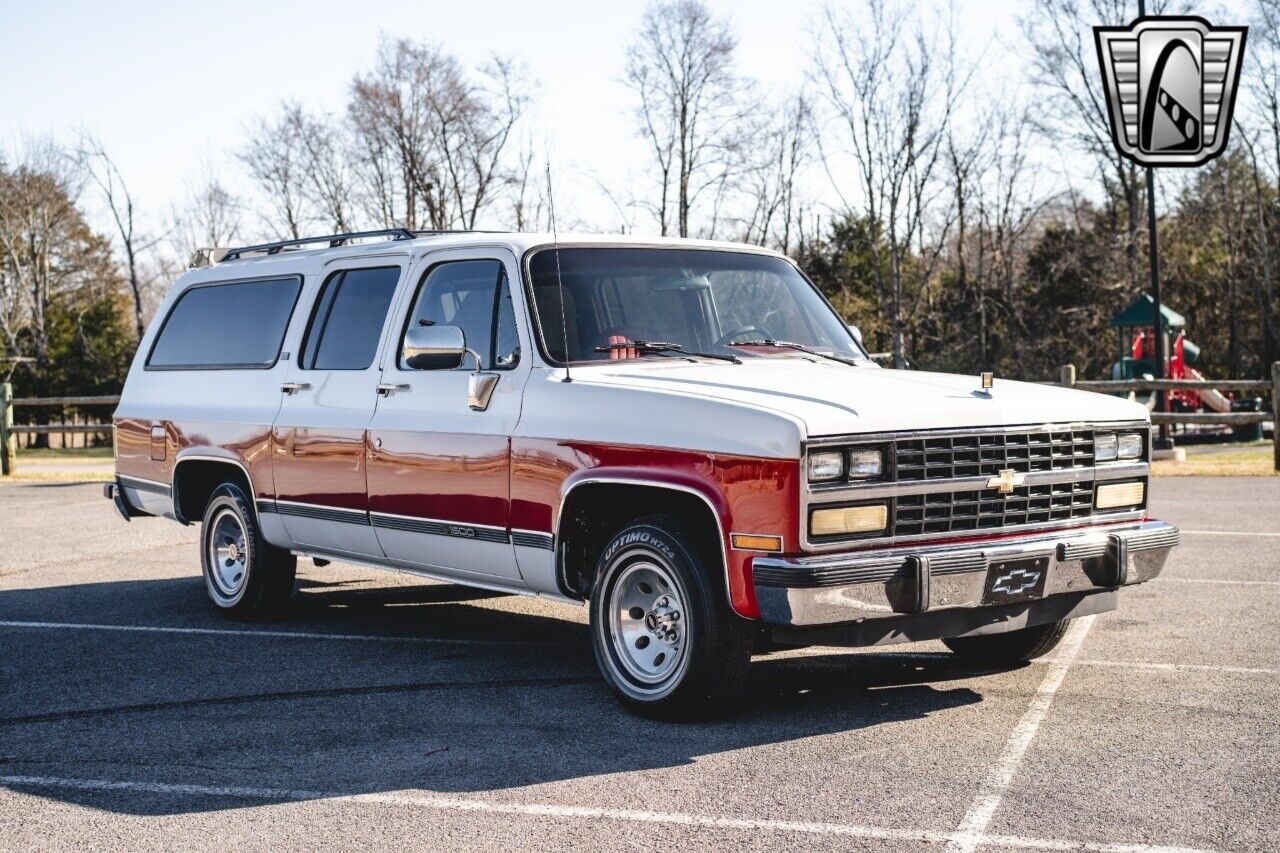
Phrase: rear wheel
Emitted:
{"points": [[246, 576], [1009, 648], [664, 636]]}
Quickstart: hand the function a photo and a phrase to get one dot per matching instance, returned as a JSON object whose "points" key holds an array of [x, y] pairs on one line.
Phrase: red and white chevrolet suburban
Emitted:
{"points": [[683, 434]]}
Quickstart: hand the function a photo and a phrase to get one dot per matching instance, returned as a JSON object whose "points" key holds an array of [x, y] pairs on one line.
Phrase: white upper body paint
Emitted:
{"points": [[766, 406]]}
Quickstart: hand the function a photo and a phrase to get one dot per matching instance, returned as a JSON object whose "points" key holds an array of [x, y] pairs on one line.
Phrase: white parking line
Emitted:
{"points": [[1228, 533], [249, 632], [973, 827], [1175, 667], [458, 804]]}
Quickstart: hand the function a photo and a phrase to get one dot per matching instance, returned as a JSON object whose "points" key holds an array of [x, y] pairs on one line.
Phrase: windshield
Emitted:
{"points": [[698, 300]]}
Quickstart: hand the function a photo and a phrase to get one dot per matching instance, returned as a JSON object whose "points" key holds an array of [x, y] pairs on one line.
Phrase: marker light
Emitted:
{"points": [[837, 521], [756, 542], [1116, 495]]}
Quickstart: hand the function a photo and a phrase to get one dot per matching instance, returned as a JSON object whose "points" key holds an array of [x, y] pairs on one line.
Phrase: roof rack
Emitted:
{"points": [[333, 240]]}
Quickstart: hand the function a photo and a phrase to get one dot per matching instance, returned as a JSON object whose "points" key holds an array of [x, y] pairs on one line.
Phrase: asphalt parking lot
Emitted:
{"points": [[391, 713]]}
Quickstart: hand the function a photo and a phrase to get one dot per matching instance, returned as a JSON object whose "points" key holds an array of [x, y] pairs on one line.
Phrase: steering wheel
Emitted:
{"points": [[762, 334]]}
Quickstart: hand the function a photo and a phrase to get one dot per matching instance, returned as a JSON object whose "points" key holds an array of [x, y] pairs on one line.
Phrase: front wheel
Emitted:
{"points": [[1011, 648], [247, 577], [664, 636]]}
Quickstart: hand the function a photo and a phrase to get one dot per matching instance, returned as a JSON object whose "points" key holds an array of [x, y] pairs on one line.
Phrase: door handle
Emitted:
{"points": [[386, 390], [293, 387]]}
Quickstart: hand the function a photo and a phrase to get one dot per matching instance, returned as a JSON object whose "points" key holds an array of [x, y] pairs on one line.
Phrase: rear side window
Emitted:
{"points": [[236, 325], [348, 319]]}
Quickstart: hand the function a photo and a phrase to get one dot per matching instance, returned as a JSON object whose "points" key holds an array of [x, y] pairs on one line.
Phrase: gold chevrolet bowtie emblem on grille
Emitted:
{"points": [[1006, 481]]}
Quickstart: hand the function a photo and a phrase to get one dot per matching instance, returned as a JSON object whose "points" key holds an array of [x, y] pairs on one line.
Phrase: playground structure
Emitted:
{"points": [[1137, 359]]}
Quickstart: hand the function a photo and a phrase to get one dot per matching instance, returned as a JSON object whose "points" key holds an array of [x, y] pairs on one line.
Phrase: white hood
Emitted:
{"points": [[834, 399]]}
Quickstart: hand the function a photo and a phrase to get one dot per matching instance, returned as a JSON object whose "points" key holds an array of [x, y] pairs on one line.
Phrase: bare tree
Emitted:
{"points": [[276, 156], [1263, 76], [681, 67], [328, 183], [37, 217], [1265, 284], [104, 174], [1064, 64], [438, 137], [892, 91], [208, 217], [51, 262], [1009, 204], [782, 147]]}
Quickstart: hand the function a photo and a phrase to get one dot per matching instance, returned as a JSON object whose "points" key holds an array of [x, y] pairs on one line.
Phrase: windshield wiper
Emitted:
{"points": [[667, 348], [798, 347]]}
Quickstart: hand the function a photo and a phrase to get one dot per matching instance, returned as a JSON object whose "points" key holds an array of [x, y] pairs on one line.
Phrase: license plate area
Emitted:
{"points": [[1010, 581]]}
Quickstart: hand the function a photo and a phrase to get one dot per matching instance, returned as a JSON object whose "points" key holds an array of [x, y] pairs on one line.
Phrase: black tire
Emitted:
{"points": [[712, 644], [246, 576], [1011, 648]]}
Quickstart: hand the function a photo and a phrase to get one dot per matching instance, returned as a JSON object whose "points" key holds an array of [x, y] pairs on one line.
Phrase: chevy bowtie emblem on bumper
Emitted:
{"points": [[1015, 582], [1006, 481], [1171, 86]]}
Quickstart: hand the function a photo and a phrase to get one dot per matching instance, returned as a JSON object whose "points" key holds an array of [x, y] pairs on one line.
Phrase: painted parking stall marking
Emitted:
{"points": [[971, 831], [544, 810]]}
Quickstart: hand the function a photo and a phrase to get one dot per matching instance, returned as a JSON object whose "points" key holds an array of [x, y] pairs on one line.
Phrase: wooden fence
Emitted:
{"points": [[9, 430], [1265, 387]]}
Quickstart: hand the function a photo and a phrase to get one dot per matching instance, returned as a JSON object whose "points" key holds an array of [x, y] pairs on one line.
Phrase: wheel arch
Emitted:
{"points": [[608, 500], [196, 475]]}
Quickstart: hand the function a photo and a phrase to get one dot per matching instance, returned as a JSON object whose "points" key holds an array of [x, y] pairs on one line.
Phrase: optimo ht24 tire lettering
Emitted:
{"points": [[662, 631], [246, 576]]}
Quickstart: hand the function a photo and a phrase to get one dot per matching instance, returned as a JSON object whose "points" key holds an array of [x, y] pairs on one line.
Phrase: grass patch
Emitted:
{"points": [[1220, 460], [61, 453], [58, 477]]}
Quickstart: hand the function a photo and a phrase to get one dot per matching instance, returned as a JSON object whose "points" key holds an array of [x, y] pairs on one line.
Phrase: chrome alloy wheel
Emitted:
{"points": [[228, 553], [647, 622]]}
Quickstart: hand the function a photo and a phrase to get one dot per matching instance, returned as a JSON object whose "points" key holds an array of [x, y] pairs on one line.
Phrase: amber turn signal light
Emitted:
{"points": [[1116, 495], [841, 520], [756, 542]]}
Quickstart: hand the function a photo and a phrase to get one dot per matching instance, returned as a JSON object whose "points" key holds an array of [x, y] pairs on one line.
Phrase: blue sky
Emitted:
{"points": [[171, 87]]}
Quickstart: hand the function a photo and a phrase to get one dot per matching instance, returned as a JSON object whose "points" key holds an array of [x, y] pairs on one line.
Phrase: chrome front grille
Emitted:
{"points": [[959, 512], [950, 456], [947, 483]]}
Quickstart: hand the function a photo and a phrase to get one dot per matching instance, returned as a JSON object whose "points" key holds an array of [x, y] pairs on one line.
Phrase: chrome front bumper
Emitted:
{"points": [[924, 592]]}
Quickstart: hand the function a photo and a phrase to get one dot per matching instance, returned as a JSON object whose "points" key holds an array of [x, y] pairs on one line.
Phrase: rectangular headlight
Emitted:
{"points": [[865, 463], [826, 466], [1129, 445], [1104, 446], [837, 521], [1116, 495]]}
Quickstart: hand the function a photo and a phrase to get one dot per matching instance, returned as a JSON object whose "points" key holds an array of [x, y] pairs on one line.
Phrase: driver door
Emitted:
{"points": [[439, 471]]}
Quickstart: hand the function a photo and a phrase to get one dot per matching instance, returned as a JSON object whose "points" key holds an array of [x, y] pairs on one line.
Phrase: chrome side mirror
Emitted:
{"points": [[857, 334], [445, 348], [433, 348]]}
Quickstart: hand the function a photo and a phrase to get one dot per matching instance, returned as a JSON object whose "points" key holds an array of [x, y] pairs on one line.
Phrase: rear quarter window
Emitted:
{"points": [[233, 325]]}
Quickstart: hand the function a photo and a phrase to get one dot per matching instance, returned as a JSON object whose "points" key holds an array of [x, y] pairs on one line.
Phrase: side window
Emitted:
{"points": [[475, 296], [348, 318], [236, 325]]}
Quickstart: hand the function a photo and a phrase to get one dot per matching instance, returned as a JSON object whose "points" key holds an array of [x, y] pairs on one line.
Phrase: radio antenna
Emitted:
{"points": [[555, 242]]}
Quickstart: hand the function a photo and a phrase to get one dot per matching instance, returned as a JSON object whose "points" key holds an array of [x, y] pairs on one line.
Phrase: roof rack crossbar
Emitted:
{"points": [[333, 240]]}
